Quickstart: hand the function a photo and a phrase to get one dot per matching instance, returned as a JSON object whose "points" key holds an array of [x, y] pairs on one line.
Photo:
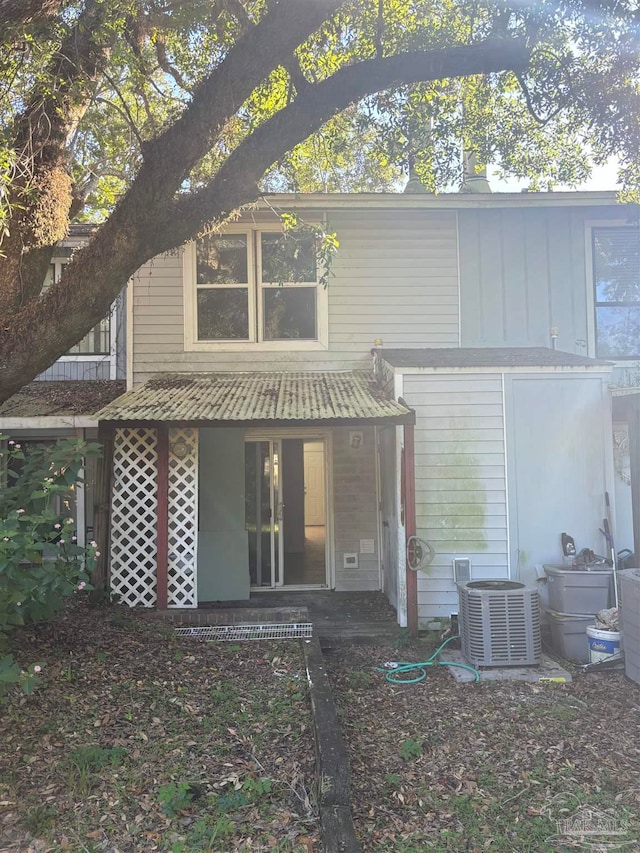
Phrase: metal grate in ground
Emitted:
{"points": [[235, 633]]}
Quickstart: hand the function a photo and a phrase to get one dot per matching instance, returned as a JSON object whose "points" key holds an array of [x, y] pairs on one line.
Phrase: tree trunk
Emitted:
{"points": [[15, 13]]}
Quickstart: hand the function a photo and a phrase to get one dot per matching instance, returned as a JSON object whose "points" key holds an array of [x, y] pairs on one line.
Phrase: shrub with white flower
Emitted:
{"points": [[41, 562]]}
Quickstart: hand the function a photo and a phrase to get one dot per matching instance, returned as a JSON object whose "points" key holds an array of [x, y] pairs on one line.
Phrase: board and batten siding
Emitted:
{"points": [[461, 495], [522, 272], [395, 277]]}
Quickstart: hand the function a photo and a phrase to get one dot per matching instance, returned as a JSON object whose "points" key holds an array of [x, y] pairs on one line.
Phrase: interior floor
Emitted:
{"points": [[308, 567]]}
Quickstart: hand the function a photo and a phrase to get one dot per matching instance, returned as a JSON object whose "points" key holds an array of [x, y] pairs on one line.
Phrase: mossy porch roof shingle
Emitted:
{"points": [[59, 399], [258, 398]]}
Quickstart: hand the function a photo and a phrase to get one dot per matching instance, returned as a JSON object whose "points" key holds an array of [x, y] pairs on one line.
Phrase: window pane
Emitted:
{"points": [[96, 342], [223, 315], [618, 332], [222, 259], [50, 277], [287, 259], [616, 261], [289, 312]]}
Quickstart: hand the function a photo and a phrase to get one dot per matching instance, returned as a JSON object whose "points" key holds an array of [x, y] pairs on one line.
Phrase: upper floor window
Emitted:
{"points": [[253, 287], [616, 275], [98, 340]]}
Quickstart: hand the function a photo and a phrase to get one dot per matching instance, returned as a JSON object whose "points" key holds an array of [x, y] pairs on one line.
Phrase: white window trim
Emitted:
{"points": [[58, 263], [111, 356], [191, 342], [591, 287]]}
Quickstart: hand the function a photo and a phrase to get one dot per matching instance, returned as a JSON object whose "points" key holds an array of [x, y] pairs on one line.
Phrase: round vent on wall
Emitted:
{"points": [[499, 623]]}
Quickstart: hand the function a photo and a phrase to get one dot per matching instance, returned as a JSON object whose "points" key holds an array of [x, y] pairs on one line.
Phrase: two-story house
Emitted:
{"points": [[452, 382], [62, 401]]}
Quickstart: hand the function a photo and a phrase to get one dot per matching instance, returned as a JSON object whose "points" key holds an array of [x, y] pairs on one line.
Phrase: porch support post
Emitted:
{"points": [[104, 475], [410, 526], [162, 530]]}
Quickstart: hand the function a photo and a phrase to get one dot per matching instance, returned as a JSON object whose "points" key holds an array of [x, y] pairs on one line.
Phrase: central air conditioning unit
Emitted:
{"points": [[499, 623]]}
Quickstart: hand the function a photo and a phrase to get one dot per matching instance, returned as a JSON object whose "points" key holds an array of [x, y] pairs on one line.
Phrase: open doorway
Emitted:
{"points": [[286, 512]]}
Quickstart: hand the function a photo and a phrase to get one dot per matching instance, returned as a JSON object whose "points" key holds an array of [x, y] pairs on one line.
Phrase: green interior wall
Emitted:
{"points": [[223, 553]]}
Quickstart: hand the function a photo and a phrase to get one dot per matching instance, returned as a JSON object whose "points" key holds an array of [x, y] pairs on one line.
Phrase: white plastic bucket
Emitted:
{"points": [[602, 644]]}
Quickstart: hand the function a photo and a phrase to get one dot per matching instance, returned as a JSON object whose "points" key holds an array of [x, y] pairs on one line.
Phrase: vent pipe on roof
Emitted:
{"points": [[414, 184], [474, 177]]}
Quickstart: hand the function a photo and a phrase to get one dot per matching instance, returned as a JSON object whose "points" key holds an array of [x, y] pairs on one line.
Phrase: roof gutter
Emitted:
{"points": [[453, 201], [48, 422]]}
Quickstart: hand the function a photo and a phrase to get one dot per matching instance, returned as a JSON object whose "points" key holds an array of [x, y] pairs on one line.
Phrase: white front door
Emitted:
{"points": [[314, 495]]}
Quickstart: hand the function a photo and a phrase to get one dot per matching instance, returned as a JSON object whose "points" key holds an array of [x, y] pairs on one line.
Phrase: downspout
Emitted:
{"points": [[409, 503]]}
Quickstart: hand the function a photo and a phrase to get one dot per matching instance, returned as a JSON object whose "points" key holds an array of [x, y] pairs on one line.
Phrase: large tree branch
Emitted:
{"points": [[41, 194], [116, 251], [127, 239], [170, 157], [236, 181], [16, 13]]}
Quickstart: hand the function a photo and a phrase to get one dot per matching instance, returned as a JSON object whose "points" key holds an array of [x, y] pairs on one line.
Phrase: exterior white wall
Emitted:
{"points": [[461, 496], [395, 278], [560, 464], [355, 510]]}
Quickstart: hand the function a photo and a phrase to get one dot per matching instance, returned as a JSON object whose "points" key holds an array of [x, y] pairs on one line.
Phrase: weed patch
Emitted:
{"points": [[499, 766], [147, 742]]}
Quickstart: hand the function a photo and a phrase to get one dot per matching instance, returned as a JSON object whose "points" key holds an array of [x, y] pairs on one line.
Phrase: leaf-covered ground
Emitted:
{"points": [[488, 767], [139, 741]]}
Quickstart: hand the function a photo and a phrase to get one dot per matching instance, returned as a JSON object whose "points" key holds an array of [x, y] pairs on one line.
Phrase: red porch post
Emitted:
{"points": [[162, 530], [410, 526]]}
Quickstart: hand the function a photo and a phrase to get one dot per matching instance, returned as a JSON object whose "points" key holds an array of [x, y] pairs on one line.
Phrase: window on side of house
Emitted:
{"points": [[254, 288], [98, 340], [616, 275]]}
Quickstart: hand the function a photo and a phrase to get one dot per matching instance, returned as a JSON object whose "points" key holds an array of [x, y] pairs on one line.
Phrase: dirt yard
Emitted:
{"points": [[137, 741], [488, 767]]}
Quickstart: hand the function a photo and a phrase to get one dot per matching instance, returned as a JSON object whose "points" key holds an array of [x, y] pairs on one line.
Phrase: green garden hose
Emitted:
{"points": [[394, 675]]}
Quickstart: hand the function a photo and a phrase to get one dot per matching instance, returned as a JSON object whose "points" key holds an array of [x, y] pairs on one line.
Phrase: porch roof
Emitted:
{"points": [[259, 399], [70, 401], [499, 357]]}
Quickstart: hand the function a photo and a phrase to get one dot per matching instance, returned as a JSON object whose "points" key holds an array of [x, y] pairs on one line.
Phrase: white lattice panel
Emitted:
{"points": [[183, 518], [134, 516]]}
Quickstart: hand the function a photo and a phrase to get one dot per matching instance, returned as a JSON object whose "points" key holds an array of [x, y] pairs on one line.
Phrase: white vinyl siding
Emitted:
{"points": [[461, 501], [395, 278]]}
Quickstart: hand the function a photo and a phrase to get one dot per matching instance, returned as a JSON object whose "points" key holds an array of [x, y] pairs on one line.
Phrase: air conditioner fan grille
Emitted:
{"points": [[499, 623]]}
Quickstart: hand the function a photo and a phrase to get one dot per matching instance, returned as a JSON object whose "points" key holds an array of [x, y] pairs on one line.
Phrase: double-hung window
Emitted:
{"points": [[98, 340], [253, 287], [616, 278]]}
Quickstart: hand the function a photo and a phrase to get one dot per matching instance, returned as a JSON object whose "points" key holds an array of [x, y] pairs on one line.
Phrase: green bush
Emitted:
{"points": [[41, 562]]}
